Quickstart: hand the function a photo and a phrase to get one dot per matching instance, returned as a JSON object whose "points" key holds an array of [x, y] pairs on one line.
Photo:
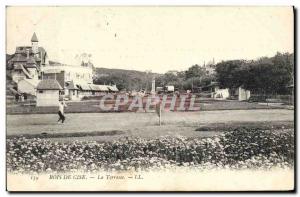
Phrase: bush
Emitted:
{"points": [[234, 149]]}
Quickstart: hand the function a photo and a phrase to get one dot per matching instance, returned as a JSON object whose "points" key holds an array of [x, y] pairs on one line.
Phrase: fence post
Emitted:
{"points": [[158, 111]]}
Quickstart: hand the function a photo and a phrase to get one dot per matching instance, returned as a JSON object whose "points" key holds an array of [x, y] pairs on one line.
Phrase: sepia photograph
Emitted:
{"points": [[150, 98]]}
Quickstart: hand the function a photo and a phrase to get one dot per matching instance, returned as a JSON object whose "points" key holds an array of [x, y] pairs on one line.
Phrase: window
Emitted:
{"points": [[41, 91]]}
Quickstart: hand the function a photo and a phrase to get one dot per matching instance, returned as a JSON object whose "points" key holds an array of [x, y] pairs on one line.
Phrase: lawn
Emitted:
{"points": [[94, 106], [101, 126]]}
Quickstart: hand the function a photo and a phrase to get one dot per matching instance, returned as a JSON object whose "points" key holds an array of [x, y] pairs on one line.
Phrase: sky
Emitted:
{"points": [[156, 39]]}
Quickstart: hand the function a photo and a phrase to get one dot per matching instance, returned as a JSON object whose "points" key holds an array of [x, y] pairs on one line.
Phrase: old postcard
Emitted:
{"points": [[163, 98]]}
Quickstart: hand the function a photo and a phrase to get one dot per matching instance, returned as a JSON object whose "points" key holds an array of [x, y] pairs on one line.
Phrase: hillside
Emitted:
{"points": [[124, 79]]}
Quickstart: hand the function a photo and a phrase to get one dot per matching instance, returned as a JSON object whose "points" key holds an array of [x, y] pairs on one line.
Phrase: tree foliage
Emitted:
{"points": [[230, 73], [194, 71], [263, 76]]}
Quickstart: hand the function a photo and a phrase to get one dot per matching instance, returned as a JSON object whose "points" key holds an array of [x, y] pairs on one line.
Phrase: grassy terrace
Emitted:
{"points": [[93, 106]]}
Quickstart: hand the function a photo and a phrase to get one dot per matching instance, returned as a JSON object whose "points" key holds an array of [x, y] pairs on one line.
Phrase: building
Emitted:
{"points": [[71, 72], [76, 80], [27, 61], [72, 91], [169, 88], [28, 86], [26, 65], [48, 93], [29, 65], [241, 94], [216, 92], [210, 67]]}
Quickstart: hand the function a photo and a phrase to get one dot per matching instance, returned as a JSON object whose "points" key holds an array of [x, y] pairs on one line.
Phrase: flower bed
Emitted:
{"points": [[238, 149]]}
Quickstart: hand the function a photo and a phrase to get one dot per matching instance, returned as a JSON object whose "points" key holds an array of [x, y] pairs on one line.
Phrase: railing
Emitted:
{"points": [[286, 99]]}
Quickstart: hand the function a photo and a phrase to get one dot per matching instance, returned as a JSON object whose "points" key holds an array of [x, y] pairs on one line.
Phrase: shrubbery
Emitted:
{"points": [[236, 149]]}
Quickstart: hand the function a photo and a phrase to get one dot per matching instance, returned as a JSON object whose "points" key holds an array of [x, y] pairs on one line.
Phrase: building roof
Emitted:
{"points": [[52, 71], [21, 67], [103, 87], [18, 67], [34, 38], [53, 63], [23, 50], [33, 82], [81, 84], [9, 57], [41, 49], [113, 88], [30, 66], [100, 88], [72, 86], [95, 87], [84, 86], [19, 58], [31, 60], [49, 84]]}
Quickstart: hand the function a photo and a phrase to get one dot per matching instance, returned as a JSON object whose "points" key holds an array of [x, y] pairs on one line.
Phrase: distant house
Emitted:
{"points": [[25, 65], [72, 91], [27, 61], [81, 73], [48, 93], [76, 80], [29, 65], [94, 89], [241, 94], [216, 92], [169, 88], [210, 67]]}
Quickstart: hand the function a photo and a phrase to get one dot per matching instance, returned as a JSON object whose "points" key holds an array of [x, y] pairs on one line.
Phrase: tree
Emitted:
{"points": [[194, 71], [170, 78], [263, 76], [260, 78], [284, 63], [271, 76], [192, 83], [230, 74]]}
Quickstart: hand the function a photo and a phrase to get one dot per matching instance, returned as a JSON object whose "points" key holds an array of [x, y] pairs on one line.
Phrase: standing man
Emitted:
{"points": [[61, 106]]}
